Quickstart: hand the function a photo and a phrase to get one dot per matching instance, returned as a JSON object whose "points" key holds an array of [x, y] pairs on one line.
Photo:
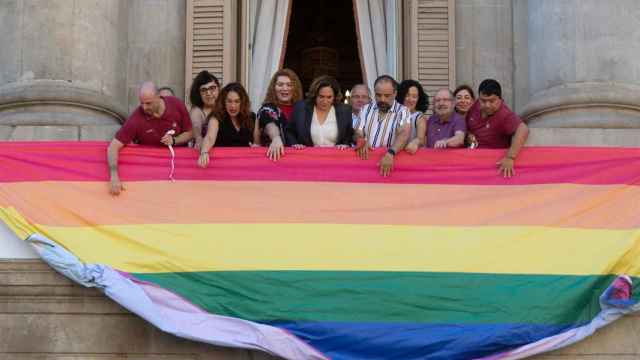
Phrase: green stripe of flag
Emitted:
{"points": [[390, 296]]}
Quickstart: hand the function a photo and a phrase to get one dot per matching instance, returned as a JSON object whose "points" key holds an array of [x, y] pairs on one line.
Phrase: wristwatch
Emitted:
{"points": [[391, 151]]}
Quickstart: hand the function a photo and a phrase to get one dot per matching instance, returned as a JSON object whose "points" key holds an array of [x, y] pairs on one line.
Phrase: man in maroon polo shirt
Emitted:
{"points": [[158, 121], [494, 125]]}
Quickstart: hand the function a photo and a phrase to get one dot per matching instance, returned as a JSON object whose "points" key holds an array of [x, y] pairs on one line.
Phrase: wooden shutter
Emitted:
{"points": [[432, 42], [211, 39]]}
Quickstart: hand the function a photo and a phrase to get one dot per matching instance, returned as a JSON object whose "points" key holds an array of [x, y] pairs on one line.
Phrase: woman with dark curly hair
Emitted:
{"points": [[412, 95], [322, 119], [284, 90], [464, 99], [203, 94], [231, 122]]}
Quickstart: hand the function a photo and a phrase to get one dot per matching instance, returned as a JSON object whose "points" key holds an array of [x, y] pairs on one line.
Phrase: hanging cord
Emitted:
{"points": [[173, 156]]}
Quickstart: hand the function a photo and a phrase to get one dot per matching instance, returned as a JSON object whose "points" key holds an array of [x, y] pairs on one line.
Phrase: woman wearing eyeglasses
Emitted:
{"points": [[204, 92]]}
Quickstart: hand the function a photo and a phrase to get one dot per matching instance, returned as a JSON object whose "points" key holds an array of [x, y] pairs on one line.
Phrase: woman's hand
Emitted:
{"points": [[203, 160]]}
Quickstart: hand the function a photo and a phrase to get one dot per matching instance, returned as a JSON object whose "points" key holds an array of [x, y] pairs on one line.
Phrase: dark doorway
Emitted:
{"points": [[322, 40]]}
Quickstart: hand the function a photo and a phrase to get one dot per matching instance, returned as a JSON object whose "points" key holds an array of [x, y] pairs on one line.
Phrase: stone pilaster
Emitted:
{"points": [[484, 44], [156, 43], [584, 73], [62, 69]]}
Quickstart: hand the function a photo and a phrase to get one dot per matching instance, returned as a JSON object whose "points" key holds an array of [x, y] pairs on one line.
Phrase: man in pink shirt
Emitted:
{"points": [[158, 121], [494, 125]]}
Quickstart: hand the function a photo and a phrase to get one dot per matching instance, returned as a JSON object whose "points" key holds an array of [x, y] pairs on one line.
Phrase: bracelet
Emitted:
{"points": [[511, 157]]}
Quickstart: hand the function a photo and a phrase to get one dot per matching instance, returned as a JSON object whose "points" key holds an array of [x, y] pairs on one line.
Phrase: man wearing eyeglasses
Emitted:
{"points": [[158, 121], [444, 129]]}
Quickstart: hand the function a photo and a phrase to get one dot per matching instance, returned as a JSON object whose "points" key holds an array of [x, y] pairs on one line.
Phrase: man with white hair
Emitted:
{"points": [[444, 129], [360, 97], [158, 121]]}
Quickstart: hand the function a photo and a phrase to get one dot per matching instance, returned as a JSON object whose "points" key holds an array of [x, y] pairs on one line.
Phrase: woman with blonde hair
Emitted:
{"points": [[284, 90]]}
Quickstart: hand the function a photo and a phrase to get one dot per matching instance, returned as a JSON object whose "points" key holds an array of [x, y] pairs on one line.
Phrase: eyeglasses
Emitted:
{"points": [[212, 88]]}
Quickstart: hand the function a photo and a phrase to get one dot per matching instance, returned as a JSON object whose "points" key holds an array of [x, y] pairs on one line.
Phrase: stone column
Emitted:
{"points": [[62, 69], [484, 43], [157, 38], [584, 73]]}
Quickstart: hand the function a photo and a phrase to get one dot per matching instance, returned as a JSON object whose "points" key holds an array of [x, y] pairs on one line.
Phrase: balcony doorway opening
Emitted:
{"points": [[322, 40]]}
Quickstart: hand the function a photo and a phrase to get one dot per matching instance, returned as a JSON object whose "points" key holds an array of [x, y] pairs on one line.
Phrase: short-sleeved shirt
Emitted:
{"points": [[414, 123], [228, 135], [441, 130], [494, 131], [272, 113], [380, 130], [147, 130]]}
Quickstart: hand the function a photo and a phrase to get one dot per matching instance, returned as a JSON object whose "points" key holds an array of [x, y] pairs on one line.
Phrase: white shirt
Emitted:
{"points": [[381, 131], [414, 124], [325, 134]]}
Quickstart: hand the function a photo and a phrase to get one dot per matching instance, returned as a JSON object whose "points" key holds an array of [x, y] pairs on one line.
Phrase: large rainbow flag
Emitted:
{"points": [[317, 256]]}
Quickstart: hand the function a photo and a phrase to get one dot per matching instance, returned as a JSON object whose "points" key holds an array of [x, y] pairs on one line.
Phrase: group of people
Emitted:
{"points": [[394, 119]]}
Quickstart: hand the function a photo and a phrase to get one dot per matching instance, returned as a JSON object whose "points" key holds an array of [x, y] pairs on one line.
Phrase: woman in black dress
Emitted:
{"points": [[231, 122]]}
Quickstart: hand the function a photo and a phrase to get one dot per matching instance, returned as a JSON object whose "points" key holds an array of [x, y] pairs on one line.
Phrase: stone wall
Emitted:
{"points": [[45, 316], [69, 69], [569, 68]]}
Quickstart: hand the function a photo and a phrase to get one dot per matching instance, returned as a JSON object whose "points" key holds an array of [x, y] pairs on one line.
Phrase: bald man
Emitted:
{"points": [[150, 124]]}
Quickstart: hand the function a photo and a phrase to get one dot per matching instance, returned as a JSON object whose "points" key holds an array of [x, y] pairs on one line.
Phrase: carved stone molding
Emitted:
{"points": [[593, 105], [57, 103]]}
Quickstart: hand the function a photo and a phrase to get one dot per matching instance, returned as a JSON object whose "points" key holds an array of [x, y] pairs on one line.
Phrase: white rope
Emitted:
{"points": [[173, 156]]}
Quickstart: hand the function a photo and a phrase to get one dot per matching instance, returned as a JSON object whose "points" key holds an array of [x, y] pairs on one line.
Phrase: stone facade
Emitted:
{"points": [[569, 68], [68, 70]]}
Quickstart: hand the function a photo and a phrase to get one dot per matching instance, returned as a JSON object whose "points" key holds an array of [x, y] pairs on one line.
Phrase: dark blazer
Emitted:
{"points": [[298, 129]]}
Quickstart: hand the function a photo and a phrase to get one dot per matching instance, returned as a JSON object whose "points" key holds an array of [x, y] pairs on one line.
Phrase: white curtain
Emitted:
{"points": [[377, 31], [268, 22]]}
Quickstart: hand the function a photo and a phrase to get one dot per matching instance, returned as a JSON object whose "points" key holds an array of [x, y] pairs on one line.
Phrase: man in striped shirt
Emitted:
{"points": [[383, 123]]}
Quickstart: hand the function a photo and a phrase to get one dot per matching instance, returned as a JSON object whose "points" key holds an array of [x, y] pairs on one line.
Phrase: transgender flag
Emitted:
{"points": [[318, 257]]}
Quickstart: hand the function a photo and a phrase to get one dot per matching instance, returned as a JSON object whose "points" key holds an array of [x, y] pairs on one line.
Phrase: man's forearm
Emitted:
{"points": [[456, 140], [402, 136], [112, 159], [517, 141]]}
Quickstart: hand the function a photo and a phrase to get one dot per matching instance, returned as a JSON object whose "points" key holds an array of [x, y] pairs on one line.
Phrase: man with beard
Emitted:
{"points": [[158, 121], [383, 123], [445, 128]]}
